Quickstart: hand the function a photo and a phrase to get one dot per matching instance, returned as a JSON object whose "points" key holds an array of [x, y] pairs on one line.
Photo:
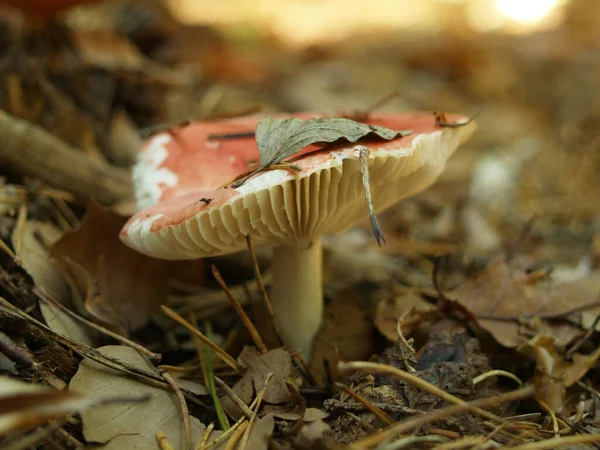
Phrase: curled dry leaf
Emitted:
{"points": [[313, 435], [409, 306], [261, 431], [553, 373], [23, 405], [257, 368], [504, 297], [131, 285], [31, 242], [128, 426]]}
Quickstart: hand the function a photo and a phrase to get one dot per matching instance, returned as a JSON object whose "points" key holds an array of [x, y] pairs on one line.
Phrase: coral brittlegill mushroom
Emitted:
{"points": [[185, 212]]}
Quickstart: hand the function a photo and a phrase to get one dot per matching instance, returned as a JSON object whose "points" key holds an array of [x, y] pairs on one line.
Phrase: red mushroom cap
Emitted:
{"points": [[179, 171]]}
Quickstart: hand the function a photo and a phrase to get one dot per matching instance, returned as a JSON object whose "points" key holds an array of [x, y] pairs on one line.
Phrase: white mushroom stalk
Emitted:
{"points": [[192, 217], [297, 293]]}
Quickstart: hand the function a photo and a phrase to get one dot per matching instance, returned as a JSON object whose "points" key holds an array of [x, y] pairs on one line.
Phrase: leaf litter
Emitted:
{"points": [[500, 349]]}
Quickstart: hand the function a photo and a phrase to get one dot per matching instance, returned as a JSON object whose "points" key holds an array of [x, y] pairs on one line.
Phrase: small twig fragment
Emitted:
{"points": [[206, 200], [363, 158], [373, 409], [186, 423], [234, 397], [225, 357], [259, 398], [261, 288], [239, 135], [163, 441], [254, 334], [441, 121], [205, 436], [43, 296]]}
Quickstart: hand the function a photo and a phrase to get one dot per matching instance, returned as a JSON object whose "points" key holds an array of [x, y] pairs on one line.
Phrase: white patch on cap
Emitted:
{"points": [[148, 176], [264, 180]]}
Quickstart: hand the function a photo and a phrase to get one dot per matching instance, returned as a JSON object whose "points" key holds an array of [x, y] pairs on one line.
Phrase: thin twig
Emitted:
{"points": [[91, 353], [465, 442], [259, 398], [496, 373], [76, 443], [588, 333], [558, 442], [373, 409], [254, 334], [414, 381], [4, 246], [237, 435], [205, 436], [441, 121], [19, 231], [46, 157], [186, 428], [437, 414], [225, 357], [300, 360], [227, 433], [163, 441], [363, 158], [234, 397], [261, 288], [362, 116], [45, 297]]}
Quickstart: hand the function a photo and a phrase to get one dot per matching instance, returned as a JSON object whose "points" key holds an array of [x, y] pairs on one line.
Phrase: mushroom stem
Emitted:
{"points": [[297, 294]]}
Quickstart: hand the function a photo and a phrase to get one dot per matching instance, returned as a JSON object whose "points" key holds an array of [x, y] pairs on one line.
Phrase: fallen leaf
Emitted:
{"points": [[312, 435], [504, 298], [257, 367], [64, 324], [131, 285], [31, 241], [128, 426], [313, 414], [408, 305], [23, 405], [553, 373], [261, 431], [278, 139]]}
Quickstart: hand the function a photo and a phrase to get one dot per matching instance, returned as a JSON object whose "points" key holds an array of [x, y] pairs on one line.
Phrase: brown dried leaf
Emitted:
{"points": [[131, 285], [128, 426], [257, 367], [390, 310], [504, 297], [312, 435], [279, 139], [261, 431], [24, 406], [553, 373], [31, 240]]}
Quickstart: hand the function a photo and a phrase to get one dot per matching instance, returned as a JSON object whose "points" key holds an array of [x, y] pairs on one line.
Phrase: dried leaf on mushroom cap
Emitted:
{"points": [[174, 173], [281, 138]]}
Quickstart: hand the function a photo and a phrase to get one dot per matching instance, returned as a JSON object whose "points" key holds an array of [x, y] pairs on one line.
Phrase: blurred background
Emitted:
{"points": [[529, 69]]}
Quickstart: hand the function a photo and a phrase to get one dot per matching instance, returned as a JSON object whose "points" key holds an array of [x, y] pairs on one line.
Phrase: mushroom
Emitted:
{"points": [[186, 213]]}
